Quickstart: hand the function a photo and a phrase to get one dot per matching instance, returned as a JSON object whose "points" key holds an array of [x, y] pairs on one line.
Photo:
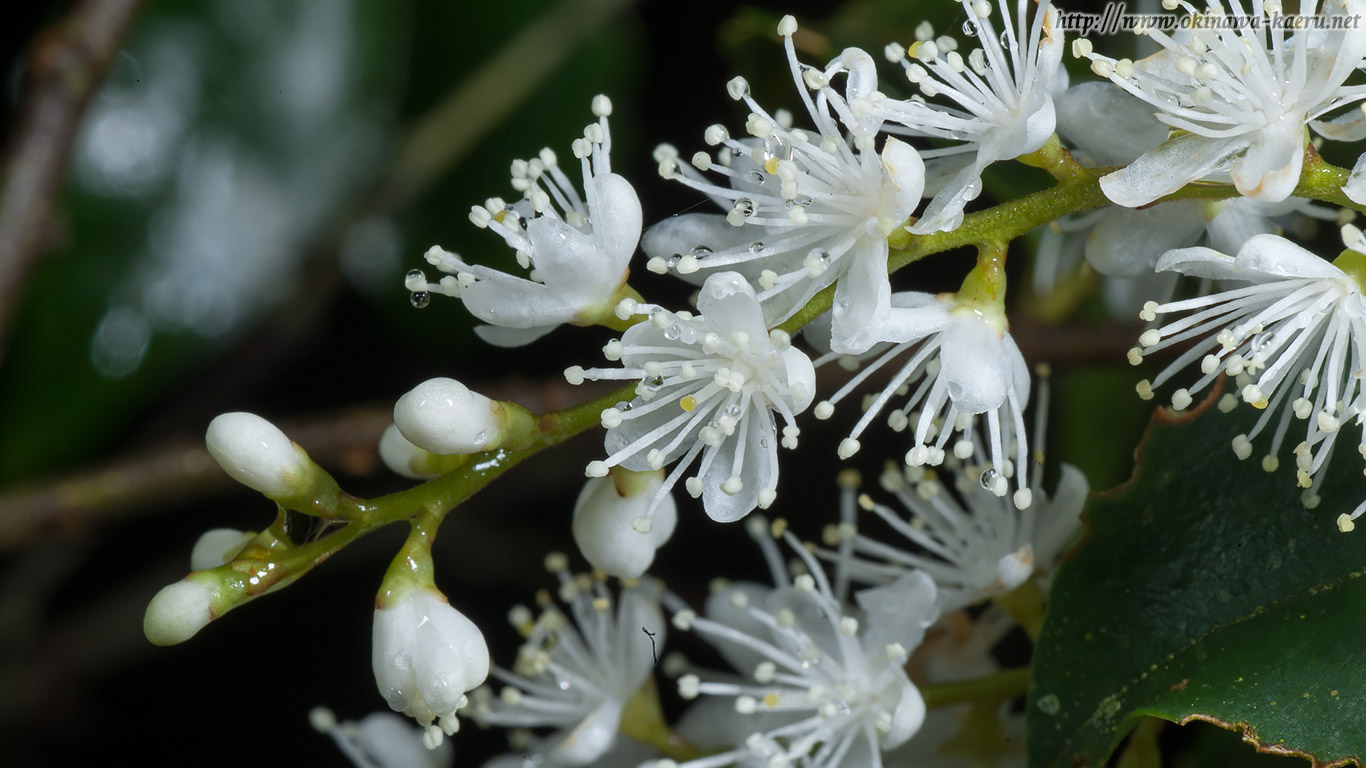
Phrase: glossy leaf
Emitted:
{"points": [[1205, 590]]}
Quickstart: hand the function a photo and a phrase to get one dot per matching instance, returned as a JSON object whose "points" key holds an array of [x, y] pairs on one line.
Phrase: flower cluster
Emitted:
{"points": [[816, 209]]}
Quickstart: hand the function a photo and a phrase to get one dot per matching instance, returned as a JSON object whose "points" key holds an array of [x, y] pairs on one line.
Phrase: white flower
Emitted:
{"points": [[257, 454], [1001, 93], [965, 369], [382, 740], [577, 248], [1243, 94], [445, 417], [1297, 328], [426, 655], [805, 207], [708, 385], [610, 525], [402, 457], [973, 543], [826, 682], [577, 677]]}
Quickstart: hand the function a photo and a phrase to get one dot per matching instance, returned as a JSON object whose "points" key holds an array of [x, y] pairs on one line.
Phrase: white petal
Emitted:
{"points": [[728, 301], [1270, 169], [915, 315], [1198, 261], [571, 261], [760, 470], [680, 234], [1170, 166], [591, 738], [394, 742], [602, 526], [975, 366], [1269, 257], [1241, 218], [637, 610], [720, 607], [801, 378], [1106, 124], [863, 297], [616, 222], [513, 302], [1060, 518], [907, 718], [1349, 126], [1127, 242], [899, 612], [906, 171], [1355, 188], [512, 337]]}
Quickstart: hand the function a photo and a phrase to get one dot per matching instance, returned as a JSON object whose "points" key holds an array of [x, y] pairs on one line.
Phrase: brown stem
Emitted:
{"points": [[67, 62]]}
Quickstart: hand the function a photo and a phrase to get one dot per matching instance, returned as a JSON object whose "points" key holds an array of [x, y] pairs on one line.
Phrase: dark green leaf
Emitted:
{"points": [[1205, 590]]}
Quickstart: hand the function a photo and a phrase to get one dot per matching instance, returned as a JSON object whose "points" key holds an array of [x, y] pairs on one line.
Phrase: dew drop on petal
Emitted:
{"points": [[987, 479], [969, 29], [420, 299]]}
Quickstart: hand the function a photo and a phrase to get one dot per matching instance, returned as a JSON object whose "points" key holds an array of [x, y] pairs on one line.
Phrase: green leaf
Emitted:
{"points": [[1204, 590]]}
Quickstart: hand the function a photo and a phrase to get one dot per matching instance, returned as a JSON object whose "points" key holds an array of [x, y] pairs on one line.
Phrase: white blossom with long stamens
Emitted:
{"points": [[960, 371], [1241, 93], [973, 543], [576, 248], [576, 676], [804, 207], [826, 681], [1001, 95], [709, 385], [1293, 339]]}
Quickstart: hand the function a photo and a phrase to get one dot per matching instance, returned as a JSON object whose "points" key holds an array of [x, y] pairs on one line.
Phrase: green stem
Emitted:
{"points": [[1002, 685]]}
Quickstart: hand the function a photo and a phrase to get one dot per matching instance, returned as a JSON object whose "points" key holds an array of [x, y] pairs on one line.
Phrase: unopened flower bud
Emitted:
{"points": [[218, 546], [443, 416], [405, 459], [426, 655], [177, 612], [257, 454], [613, 525]]}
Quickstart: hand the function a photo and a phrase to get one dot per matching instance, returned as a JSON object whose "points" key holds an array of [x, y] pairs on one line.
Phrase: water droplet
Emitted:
{"points": [[623, 406], [756, 177], [805, 201], [969, 28], [687, 336], [745, 206], [700, 252], [1005, 40], [420, 299], [733, 410], [756, 246], [1049, 704], [987, 479], [673, 260], [654, 382], [415, 274], [672, 332]]}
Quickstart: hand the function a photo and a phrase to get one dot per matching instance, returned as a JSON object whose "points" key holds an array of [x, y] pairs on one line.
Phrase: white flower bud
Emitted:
{"points": [[177, 612], [217, 546], [426, 655], [257, 454], [400, 456], [443, 416], [605, 521]]}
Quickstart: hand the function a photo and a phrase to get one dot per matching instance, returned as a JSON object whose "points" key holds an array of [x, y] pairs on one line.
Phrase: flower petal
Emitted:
{"points": [[1269, 257], [512, 337], [863, 298], [514, 302], [1127, 242], [915, 315], [1106, 124], [1355, 188], [680, 234], [1170, 166], [760, 469], [975, 366], [906, 171], [1270, 169], [616, 221]]}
